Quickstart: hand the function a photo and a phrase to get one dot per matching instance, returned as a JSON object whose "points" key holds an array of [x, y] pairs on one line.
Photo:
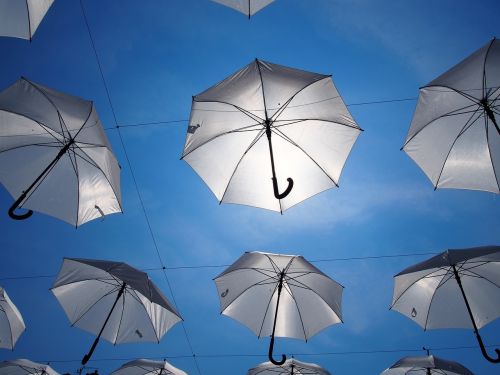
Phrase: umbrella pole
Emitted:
{"points": [[287, 191], [87, 356], [476, 331], [490, 114], [17, 203], [271, 345]]}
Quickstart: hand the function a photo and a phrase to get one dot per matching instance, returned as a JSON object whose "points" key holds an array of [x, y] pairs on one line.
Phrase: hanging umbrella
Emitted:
{"points": [[114, 301], [454, 289], [25, 367], [426, 365], [290, 367], [279, 295], [454, 135], [20, 18], [54, 155], [148, 367], [248, 7], [11, 322]]}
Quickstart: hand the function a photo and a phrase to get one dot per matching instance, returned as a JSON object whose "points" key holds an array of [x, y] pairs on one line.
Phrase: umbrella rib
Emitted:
{"points": [[451, 89], [75, 169], [441, 283], [121, 318], [46, 128], [240, 109], [266, 310], [49, 144], [314, 119], [95, 303], [486, 121], [484, 67], [482, 277], [147, 313]]}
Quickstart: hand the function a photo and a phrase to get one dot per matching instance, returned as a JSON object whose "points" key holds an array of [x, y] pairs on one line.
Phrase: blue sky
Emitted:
{"points": [[155, 55]]}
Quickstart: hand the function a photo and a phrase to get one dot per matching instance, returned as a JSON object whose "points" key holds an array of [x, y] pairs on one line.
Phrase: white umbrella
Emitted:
{"points": [[148, 367], [428, 365], [55, 157], [263, 124], [454, 135], [20, 18], [248, 7], [25, 367], [279, 295], [114, 301], [11, 322], [290, 367], [454, 289]]}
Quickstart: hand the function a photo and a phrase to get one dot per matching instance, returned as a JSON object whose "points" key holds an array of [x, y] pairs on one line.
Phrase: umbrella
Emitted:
{"points": [[113, 300], [454, 135], [20, 18], [148, 367], [279, 295], [290, 367], [426, 365], [454, 289], [248, 7], [264, 123], [54, 155], [25, 367], [11, 322]]}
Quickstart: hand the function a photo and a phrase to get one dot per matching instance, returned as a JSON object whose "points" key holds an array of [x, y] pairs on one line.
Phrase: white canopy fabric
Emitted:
{"points": [[262, 110], [148, 367], [427, 365], [11, 322], [290, 367], [21, 18], [248, 7], [25, 367], [248, 291], [55, 156], [87, 290], [454, 135]]}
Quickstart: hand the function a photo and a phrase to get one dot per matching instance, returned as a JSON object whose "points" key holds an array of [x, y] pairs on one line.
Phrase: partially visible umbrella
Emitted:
{"points": [[454, 289], [279, 295], [290, 367], [248, 7], [455, 135], [148, 367], [114, 301], [20, 18], [426, 365], [25, 367], [11, 322], [55, 157]]}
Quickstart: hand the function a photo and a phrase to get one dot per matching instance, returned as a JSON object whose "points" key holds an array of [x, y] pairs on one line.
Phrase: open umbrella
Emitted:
{"points": [[279, 295], [248, 7], [290, 367], [454, 289], [426, 365], [114, 301], [20, 18], [263, 124], [11, 322], [25, 367], [54, 155], [454, 135], [148, 367]]}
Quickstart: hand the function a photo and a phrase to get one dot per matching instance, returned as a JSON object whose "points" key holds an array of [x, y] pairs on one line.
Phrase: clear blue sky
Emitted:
{"points": [[155, 55]]}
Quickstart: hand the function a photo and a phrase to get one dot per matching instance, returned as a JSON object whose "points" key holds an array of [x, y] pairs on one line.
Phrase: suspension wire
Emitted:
{"points": [[153, 238]]}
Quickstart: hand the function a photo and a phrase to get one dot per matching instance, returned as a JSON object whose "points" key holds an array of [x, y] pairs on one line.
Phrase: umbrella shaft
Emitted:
{"points": [[268, 133], [280, 285], [459, 282]]}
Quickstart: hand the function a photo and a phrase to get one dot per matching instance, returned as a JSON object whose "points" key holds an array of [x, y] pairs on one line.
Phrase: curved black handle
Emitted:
{"points": [[12, 208], [485, 353], [271, 347], [287, 191]]}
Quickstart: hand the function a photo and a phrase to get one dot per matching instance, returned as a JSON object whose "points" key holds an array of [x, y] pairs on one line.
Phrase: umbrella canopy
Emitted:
{"points": [[11, 322], [25, 367], [264, 124], [114, 301], [290, 367], [454, 289], [54, 155], [248, 7], [454, 135], [427, 365], [279, 295], [148, 367], [20, 18]]}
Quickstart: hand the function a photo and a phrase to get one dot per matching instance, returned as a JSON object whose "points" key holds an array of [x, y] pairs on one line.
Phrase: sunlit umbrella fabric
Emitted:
{"points": [[55, 157], [263, 110], [148, 367], [21, 18], [25, 367], [454, 135], [248, 7], [290, 367], [11, 322], [427, 365]]}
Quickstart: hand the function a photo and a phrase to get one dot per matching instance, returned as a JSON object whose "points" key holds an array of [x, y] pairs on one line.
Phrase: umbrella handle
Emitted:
{"points": [[485, 353], [87, 356], [275, 362], [16, 204], [287, 191]]}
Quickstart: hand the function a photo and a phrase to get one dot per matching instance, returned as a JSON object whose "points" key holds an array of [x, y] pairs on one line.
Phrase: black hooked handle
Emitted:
{"points": [[16, 204], [287, 191], [271, 347]]}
